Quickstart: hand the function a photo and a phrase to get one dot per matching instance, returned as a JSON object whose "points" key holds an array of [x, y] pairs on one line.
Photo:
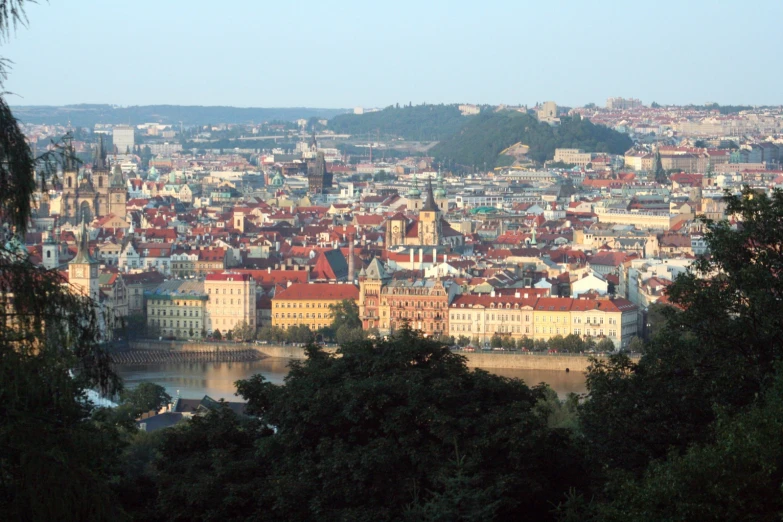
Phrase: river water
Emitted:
{"points": [[194, 380]]}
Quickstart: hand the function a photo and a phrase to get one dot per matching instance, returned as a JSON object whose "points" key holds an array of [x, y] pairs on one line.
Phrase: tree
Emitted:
{"points": [[605, 345], [146, 397], [572, 343], [300, 333], [244, 332], [525, 343], [463, 341], [409, 406], [345, 313], [557, 342], [216, 335], [508, 343], [712, 359], [346, 334], [272, 334], [636, 345], [610, 288], [209, 469], [496, 341], [55, 464]]}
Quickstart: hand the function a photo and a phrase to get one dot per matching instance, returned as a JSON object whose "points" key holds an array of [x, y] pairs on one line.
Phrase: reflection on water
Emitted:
{"points": [[194, 380]]}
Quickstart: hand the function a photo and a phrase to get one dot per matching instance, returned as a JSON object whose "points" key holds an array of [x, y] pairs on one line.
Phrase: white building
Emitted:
{"points": [[123, 138]]}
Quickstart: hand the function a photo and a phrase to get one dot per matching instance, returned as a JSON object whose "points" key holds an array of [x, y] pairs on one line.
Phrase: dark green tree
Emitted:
{"points": [[410, 407], [55, 462]]}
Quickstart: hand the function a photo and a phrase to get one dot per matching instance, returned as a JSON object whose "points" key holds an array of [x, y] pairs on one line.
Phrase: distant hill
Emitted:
{"points": [[87, 115], [411, 122], [482, 139]]}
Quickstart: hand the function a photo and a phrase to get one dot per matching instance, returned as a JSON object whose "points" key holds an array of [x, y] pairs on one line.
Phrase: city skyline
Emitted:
{"points": [[320, 55]]}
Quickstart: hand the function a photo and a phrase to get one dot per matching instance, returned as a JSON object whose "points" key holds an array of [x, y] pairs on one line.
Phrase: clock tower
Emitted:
{"points": [[83, 269], [430, 226]]}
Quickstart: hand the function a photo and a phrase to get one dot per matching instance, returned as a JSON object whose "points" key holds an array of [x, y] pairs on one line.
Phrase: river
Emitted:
{"points": [[194, 380]]}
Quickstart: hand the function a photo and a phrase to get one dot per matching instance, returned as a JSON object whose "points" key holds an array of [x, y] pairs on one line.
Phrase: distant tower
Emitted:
{"points": [[414, 195], [430, 226], [118, 195], [83, 269], [440, 194], [351, 260], [51, 252]]}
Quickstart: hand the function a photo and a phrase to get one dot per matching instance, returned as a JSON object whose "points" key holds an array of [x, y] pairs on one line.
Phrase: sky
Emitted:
{"points": [[329, 54]]}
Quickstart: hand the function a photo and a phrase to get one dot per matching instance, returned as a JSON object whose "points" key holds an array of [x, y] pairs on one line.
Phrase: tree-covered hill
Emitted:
{"points": [[411, 122], [87, 115], [483, 138]]}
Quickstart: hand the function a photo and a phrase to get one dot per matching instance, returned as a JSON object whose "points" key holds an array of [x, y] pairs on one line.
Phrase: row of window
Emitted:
{"points": [[186, 313], [490, 328], [230, 291], [226, 301], [170, 323], [306, 316], [299, 305]]}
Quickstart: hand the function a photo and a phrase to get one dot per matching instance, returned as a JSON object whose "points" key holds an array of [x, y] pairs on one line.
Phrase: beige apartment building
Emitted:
{"points": [[231, 301], [642, 220], [483, 316], [573, 157]]}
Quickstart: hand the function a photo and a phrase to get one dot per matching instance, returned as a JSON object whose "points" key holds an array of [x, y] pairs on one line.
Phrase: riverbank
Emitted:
{"points": [[482, 359]]}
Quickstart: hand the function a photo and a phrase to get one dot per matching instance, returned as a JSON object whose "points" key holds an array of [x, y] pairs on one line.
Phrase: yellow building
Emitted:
{"points": [[308, 304], [551, 317], [177, 309], [232, 301]]}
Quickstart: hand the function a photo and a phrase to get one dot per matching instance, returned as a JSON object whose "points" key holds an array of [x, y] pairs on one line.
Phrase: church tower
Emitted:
{"points": [[100, 180], [50, 252], [118, 195], [69, 203], [83, 269], [430, 227]]}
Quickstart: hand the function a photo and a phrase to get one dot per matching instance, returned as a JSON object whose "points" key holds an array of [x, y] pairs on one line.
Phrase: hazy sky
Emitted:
{"points": [[286, 53]]}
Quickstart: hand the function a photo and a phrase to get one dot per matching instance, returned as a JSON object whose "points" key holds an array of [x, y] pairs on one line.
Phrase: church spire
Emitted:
{"points": [[83, 253], [429, 203]]}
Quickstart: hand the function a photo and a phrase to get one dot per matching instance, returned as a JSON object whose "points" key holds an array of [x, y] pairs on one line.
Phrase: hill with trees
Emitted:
{"points": [[480, 142], [410, 122], [87, 115]]}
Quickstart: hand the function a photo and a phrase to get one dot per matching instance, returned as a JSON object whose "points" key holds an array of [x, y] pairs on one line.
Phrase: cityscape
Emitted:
{"points": [[252, 275]]}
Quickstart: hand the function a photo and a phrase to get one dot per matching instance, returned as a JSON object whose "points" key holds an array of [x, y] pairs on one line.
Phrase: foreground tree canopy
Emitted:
{"points": [[400, 428]]}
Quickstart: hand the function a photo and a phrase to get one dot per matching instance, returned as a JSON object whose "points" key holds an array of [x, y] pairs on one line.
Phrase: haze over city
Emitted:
{"points": [[353, 53]]}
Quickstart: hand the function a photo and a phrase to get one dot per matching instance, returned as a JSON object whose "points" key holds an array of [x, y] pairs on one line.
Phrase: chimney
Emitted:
{"points": [[525, 295], [492, 293], [421, 260], [434, 256], [269, 270], [411, 253], [351, 261], [444, 258], [517, 295]]}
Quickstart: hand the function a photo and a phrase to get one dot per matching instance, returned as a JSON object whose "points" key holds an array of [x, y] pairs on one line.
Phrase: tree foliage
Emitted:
{"points": [[411, 122], [481, 140]]}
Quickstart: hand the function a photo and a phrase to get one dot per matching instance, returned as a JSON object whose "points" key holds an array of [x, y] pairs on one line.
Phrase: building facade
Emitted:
{"points": [[177, 309], [308, 304], [231, 301]]}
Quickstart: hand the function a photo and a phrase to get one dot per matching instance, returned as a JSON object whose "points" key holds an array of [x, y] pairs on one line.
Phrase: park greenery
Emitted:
{"points": [[480, 141], [411, 122]]}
